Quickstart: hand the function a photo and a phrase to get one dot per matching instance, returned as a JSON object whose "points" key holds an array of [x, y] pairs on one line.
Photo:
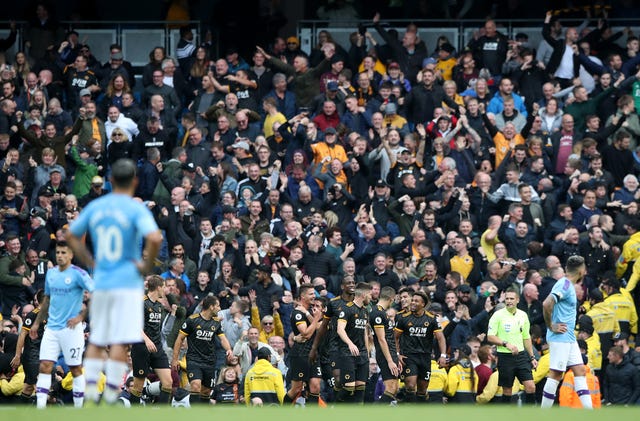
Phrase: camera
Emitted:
{"points": [[362, 29], [319, 288]]}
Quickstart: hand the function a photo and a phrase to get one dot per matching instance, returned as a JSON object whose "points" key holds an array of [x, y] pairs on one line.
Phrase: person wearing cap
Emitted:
{"points": [[96, 191], [446, 61], [337, 65], [394, 120], [621, 302], [395, 77], [263, 384], [307, 80], [329, 147], [594, 349], [331, 93], [621, 339]]}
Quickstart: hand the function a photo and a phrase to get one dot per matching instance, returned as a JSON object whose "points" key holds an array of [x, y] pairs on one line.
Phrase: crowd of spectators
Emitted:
{"points": [[460, 173]]}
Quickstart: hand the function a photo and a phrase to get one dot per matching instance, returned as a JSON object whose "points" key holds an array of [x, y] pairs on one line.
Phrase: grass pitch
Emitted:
{"points": [[365, 413]]}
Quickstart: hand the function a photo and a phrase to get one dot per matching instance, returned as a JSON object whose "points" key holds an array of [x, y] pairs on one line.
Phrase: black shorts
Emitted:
{"points": [[417, 365], [301, 370], [385, 371], [335, 358], [144, 361], [206, 373], [353, 369], [511, 366], [31, 369]]}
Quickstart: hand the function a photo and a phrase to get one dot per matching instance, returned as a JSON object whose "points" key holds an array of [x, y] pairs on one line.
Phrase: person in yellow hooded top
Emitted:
{"points": [[437, 383], [630, 249], [594, 350], [620, 301], [462, 381], [605, 323], [263, 384]]}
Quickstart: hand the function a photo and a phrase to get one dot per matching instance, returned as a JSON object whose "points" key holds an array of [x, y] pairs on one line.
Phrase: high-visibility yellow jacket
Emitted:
{"points": [[461, 382], [604, 318], [264, 381], [630, 253], [622, 305]]}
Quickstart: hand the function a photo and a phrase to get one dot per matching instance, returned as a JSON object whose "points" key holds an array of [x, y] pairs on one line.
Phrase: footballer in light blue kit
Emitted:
{"points": [[62, 308], [118, 225], [560, 314]]}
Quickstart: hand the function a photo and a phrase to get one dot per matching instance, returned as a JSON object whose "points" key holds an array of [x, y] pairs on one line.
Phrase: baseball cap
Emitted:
{"points": [[427, 61], [401, 149], [381, 183], [620, 336], [332, 86], [188, 167], [46, 191], [469, 92], [330, 130], [55, 169], [447, 47], [393, 65], [84, 92], [38, 212], [391, 108], [464, 288], [241, 145], [97, 180], [292, 40], [411, 281]]}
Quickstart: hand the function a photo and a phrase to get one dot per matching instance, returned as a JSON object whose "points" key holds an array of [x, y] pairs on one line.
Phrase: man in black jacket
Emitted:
{"points": [[622, 379]]}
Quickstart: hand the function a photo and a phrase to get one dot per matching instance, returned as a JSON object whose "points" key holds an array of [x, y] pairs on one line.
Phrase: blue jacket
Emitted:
{"points": [[496, 104]]}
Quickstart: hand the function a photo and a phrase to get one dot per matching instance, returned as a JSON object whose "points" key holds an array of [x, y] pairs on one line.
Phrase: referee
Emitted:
{"points": [[509, 330]]}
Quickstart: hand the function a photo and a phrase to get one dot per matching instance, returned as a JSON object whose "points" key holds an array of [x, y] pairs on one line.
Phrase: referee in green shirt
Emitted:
{"points": [[509, 330]]}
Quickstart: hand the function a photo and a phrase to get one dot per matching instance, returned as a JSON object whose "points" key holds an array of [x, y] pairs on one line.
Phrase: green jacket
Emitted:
{"points": [[580, 110], [307, 84], [5, 278], [86, 133], [84, 173]]}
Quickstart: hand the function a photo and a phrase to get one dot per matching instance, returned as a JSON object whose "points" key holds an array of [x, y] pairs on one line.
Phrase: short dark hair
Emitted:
{"points": [[209, 301], [123, 172]]}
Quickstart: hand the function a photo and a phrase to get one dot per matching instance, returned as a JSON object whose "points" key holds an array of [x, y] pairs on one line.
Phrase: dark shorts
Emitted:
{"points": [[511, 366], [301, 370], [385, 371], [144, 361], [417, 365], [353, 369], [206, 373], [31, 370], [335, 359]]}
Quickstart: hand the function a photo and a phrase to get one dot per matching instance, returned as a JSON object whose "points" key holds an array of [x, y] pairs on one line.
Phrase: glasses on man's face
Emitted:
{"points": [[8, 326], [267, 323]]}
